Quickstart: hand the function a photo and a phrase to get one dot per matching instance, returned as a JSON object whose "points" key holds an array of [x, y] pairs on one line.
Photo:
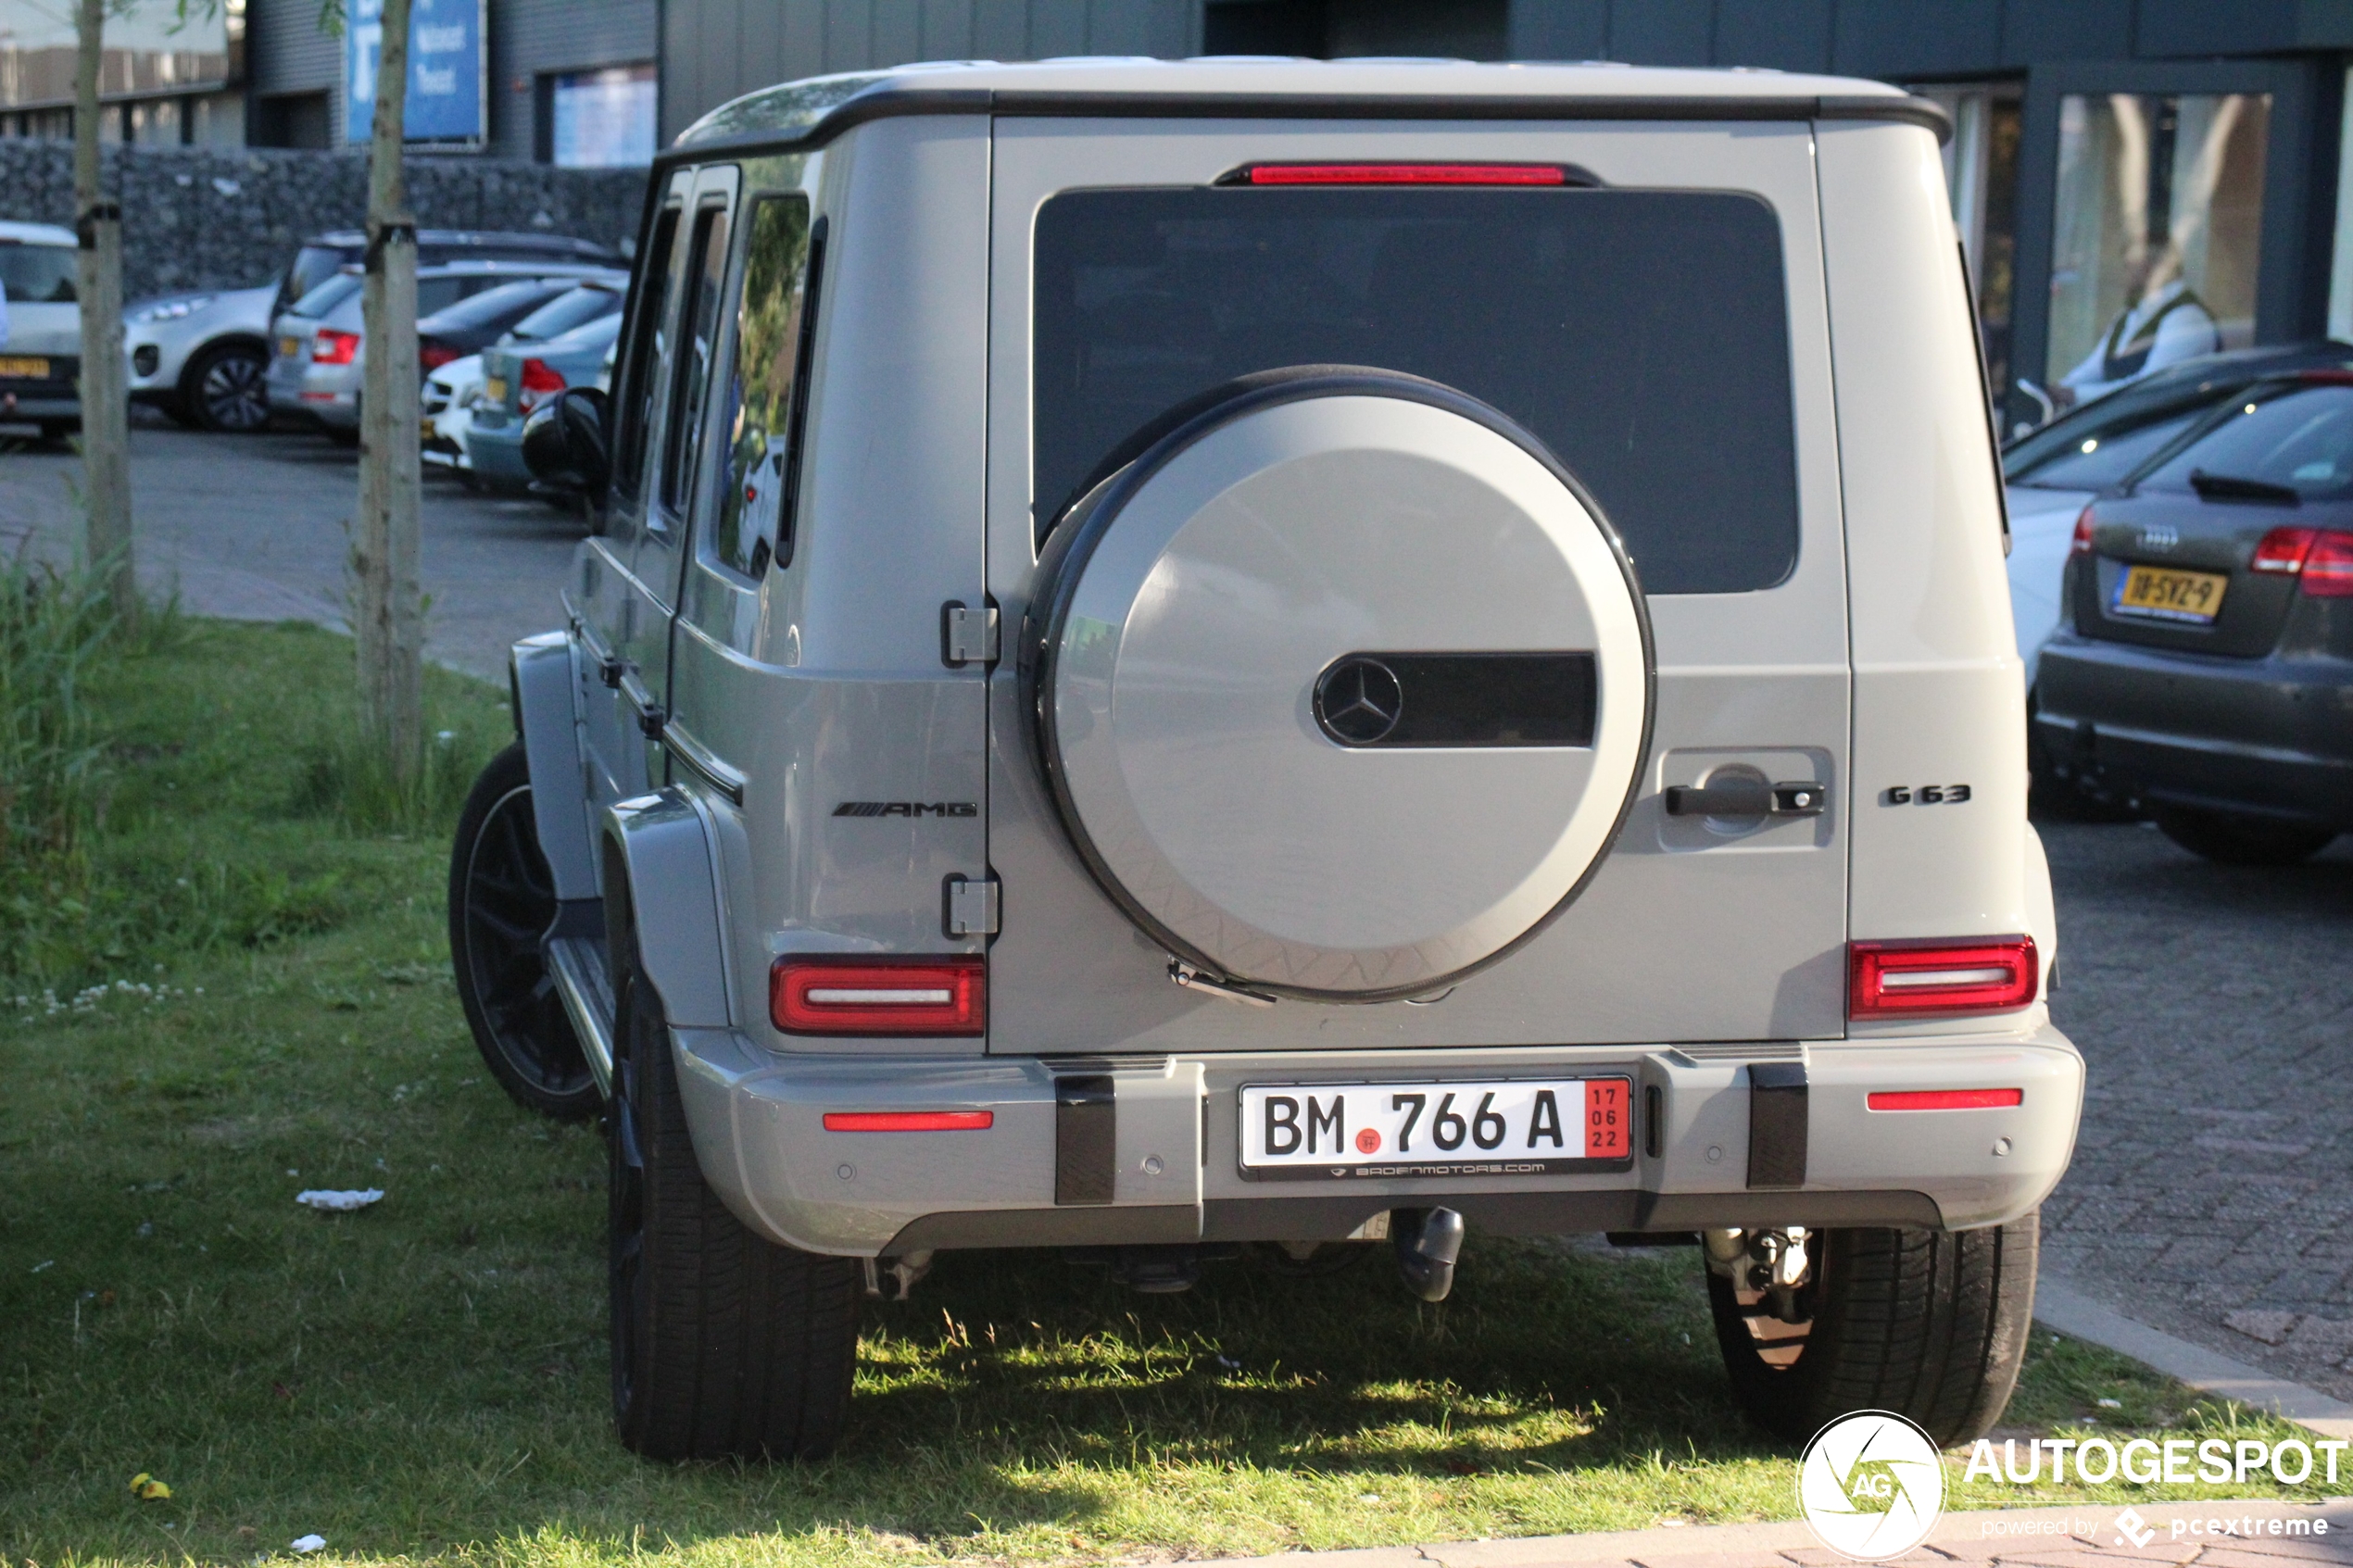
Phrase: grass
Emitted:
{"points": [[425, 1381]]}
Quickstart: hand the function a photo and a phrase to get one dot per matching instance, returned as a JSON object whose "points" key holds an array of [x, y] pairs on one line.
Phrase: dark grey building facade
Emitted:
{"points": [[2119, 165]]}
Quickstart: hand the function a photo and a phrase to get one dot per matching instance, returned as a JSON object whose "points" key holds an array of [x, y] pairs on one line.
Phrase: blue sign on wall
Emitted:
{"points": [[445, 70]]}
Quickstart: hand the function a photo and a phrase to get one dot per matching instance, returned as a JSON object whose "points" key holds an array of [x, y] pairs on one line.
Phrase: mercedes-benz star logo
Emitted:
{"points": [[1358, 701]]}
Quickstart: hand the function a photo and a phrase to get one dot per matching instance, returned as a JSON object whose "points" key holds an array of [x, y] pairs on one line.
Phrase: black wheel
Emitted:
{"points": [[2242, 841], [1930, 1324], [725, 1344], [225, 389], [501, 901]]}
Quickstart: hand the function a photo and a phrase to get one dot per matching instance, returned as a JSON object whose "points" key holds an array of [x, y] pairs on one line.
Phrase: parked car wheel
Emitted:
{"points": [[725, 1344], [1930, 1324], [2237, 840], [501, 900], [226, 389]]}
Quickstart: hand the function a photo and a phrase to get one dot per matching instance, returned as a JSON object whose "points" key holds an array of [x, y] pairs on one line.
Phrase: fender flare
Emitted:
{"points": [[542, 678], [662, 884]]}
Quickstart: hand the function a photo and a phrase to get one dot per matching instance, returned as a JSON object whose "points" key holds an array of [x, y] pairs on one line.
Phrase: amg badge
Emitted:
{"points": [[906, 809]]}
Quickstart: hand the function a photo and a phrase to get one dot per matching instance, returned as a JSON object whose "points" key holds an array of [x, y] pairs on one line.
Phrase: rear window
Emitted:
{"points": [[492, 306], [573, 309], [2300, 441], [37, 274], [1643, 335], [312, 265], [327, 296]]}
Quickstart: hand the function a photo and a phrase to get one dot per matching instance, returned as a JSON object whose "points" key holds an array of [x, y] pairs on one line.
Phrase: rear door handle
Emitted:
{"points": [[1746, 798], [650, 716]]}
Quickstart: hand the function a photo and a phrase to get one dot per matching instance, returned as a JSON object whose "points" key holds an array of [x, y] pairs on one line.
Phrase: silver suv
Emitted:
{"points": [[1187, 653]]}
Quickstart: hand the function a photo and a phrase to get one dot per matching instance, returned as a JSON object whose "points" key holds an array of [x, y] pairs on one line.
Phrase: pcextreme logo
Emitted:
{"points": [[1871, 1485]]}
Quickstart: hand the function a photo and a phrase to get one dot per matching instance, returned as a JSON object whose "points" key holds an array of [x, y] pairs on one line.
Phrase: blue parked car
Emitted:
{"points": [[519, 375]]}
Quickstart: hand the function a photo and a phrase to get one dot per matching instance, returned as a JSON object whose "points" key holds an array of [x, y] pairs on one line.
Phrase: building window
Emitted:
{"points": [[598, 119], [2157, 236], [1981, 171], [2341, 256]]}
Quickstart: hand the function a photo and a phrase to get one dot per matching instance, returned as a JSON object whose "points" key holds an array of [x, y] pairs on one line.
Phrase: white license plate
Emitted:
{"points": [[1502, 1127]]}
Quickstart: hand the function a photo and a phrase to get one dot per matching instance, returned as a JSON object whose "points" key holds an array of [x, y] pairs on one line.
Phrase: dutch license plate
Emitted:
{"points": [[20, 366], [1504, 1127], [2162, 593], [495, 390]]}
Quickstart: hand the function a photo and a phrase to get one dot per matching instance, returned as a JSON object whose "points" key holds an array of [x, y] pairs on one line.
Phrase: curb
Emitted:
{"points": [[2059, 1305], [2227, 1535]]}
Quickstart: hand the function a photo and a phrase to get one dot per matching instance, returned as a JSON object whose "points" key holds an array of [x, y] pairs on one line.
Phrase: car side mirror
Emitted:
{"points": [[565, 445]]}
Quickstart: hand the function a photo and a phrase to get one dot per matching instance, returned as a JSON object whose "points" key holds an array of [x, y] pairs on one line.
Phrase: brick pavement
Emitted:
{"points": [[2205, 1535], [2211, 1194]]}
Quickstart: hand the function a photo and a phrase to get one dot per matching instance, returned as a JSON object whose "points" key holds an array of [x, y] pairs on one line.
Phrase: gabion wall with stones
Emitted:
{"points": [[206, 217]]}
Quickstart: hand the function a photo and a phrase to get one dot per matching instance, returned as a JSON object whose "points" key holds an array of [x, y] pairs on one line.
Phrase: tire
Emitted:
{"points": [[501, 901], [226, 390], [1930, 1324], [725, 1344], [2237, 840]]}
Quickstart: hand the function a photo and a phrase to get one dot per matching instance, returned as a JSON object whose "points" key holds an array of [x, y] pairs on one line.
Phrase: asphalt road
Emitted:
{"points": [[255, 528], [2211, 1194]]}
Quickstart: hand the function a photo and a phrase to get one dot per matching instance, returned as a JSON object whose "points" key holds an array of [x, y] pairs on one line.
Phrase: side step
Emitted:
{"points": [[585, 982]]}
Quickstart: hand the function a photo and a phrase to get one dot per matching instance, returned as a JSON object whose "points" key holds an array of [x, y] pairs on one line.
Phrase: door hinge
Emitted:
{"points": [[967, 635], [971, 906]]}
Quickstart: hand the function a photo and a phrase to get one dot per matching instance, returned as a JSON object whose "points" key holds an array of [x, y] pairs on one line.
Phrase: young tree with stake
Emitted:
{"points": [[106, 435], [388, 610]]}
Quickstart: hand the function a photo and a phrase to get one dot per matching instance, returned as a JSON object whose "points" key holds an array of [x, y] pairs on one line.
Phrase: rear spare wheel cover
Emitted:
{"points": [[1343, 688]]}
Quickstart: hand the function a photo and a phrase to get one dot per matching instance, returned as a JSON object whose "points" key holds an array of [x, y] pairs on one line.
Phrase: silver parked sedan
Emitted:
{"points": [[318, 358]]}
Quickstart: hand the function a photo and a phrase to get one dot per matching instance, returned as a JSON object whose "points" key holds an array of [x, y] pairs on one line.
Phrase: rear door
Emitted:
{"points": [[1664, 335], [610, 606]]}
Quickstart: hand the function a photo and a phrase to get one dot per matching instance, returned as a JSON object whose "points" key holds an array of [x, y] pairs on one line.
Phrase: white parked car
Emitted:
{"points": [[42, 359], [1239, 651], [451, 393]]}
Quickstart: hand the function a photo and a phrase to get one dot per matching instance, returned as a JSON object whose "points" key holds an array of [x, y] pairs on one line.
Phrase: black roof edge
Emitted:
{"points": [[888, 102]]}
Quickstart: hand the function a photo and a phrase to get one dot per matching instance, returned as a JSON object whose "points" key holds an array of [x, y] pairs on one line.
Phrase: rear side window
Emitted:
{"points": [[698, 333], [2101, 459], [645, 351], [769, 324], [1643, 335], [38, 274]]}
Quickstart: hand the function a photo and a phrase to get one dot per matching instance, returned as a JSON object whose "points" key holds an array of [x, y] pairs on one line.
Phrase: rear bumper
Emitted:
{"points": [[2271, 736], [1167, 1158]]}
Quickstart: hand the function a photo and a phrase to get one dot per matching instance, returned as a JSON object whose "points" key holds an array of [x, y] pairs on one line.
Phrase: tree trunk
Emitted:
{"points": [[105, 436], [389, 616]]}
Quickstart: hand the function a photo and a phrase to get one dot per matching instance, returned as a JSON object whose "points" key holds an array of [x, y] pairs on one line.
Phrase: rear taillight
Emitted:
{"points": [[1401, 174], [2282, 549], [1909, 979], [2322, 557], [846, 996], [332, 347], [433, 355], [2328, 569], [2082, 543], [540, 381]]}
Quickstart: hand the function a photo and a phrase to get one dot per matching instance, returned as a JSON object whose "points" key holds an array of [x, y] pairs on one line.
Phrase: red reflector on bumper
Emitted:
{"points": [[1911, 979], [1943, 1099], [837, 996], [908, 1121], [1401, 174]]}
